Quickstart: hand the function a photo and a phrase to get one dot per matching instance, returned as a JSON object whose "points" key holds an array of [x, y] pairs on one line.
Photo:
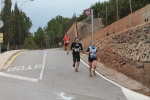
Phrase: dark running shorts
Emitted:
{"points": [[76, 58], [66, 44], [92, 59]]}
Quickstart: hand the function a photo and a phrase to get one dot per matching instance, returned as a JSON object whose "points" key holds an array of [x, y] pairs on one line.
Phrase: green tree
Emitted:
{"points": [[56, 29], [21, 27], [81, 17], [7, 18], [39, 38], [17, 27], [123, 9], [137, 4], [25, 24], [30, 44]]}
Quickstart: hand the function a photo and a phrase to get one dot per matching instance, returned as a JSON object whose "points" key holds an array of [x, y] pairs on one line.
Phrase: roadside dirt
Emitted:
{"points": [[119, 78]]}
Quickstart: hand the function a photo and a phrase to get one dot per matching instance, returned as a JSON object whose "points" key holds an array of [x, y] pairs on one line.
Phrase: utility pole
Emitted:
{"points": [[76, 24], [92, 24], [117, 8], [130, 6], [89, 12], [106, 16]]}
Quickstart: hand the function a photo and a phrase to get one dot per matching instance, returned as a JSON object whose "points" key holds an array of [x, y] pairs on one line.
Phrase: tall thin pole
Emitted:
{"points": [[98, 21], [117, 8], [130, 6], [92, 24], [76, 24], [106, 16]]}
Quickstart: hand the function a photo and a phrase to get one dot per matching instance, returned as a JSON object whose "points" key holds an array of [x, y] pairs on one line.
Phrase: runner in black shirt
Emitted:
{"points": [[76, 47]]}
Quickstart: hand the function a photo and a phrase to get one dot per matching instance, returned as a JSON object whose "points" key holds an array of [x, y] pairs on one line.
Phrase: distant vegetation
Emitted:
{"points": [[125, 7]]}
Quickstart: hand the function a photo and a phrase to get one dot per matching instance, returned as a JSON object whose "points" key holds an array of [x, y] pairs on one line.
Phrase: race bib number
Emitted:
{"points": [[76, 49], [67, 41], [92, 55]]}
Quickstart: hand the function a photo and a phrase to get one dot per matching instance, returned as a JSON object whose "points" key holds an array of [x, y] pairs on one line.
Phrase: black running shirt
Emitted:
{"points": [[76, 46]]}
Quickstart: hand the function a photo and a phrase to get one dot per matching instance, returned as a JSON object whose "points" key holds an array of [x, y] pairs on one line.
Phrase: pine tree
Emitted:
{"points": [[7, 20]]}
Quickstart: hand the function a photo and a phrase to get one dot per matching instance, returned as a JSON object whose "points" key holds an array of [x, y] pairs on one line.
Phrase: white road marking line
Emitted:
{"points": [[38, 66], [11, 69], [130, 95], [43, 65], [18, 77], [29, 68], [20, 68], [63, 97]]}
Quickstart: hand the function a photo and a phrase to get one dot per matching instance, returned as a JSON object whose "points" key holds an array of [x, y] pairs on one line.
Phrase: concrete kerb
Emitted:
{"points": [[7, 56]]}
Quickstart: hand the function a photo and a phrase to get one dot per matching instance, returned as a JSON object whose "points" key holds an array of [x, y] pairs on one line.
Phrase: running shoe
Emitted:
{"points": [[76, 70], [94, 72], [73, 65], [91, 74]]}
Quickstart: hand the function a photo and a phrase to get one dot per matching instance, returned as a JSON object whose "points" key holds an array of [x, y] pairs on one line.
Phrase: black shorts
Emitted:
{"points": [[76, 58], [66, 44], [92, 59]]}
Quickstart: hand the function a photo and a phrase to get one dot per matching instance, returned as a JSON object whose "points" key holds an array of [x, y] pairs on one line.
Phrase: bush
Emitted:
{"points": [[30, 44]]}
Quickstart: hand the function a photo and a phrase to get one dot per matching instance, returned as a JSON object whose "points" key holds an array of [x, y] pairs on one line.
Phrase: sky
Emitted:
{"points": [[41, 12]]}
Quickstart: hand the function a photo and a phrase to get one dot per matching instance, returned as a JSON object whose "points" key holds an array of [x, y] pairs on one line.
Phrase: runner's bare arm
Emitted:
{"points": [[88, 51]]}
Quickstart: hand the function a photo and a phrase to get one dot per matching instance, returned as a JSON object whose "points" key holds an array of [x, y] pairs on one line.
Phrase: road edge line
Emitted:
{"points": [[125, 90]]}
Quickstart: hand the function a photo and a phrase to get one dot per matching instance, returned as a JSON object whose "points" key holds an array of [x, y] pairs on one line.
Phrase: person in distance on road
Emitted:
{"points": [[76, 47], [92, 51], [66, 42]]}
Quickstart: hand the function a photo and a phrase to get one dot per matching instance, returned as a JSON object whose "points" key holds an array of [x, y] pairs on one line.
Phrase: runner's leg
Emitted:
{"points": [[90, 68], [78, 62], [67, 49], [94, 64], [74, 60], [90, 64], [77, 65]]}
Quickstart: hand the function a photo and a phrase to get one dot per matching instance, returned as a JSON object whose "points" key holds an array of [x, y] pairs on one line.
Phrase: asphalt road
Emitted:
{"points": [[49, 75]]}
